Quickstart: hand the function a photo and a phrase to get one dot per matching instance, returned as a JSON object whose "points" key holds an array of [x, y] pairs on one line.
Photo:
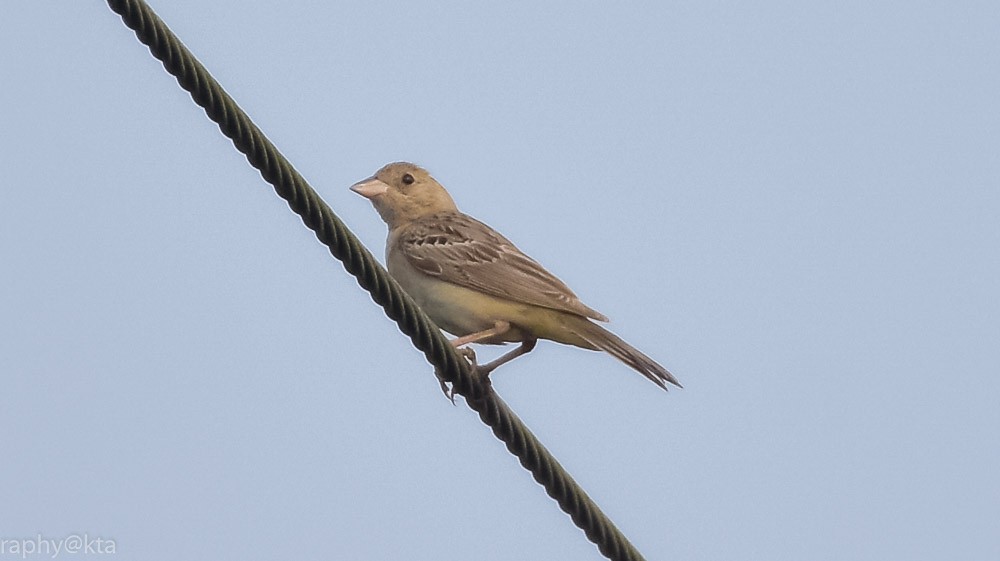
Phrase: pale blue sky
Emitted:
{"points": [[792, 206]]}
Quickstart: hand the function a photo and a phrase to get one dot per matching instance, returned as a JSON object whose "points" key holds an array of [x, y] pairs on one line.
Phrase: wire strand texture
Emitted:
{"points": [[370, 275]]}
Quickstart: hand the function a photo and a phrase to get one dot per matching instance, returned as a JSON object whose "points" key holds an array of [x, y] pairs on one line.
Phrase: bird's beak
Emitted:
{"points": [[370, 188]]}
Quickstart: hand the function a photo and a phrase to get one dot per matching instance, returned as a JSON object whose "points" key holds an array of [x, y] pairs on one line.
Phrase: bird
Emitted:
{"points": [[476, 284]]}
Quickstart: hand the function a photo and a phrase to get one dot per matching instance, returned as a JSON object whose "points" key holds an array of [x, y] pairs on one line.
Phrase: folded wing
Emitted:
{"points": [[461, 250]]}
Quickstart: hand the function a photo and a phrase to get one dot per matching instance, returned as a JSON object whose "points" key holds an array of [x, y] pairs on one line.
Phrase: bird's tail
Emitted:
{"points": [[612, 344]]}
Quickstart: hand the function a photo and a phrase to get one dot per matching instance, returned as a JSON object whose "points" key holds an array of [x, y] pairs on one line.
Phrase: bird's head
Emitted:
{"points": [[402, 192]]}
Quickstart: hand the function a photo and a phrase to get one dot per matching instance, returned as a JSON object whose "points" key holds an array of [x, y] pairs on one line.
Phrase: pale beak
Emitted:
{"points": [[370, 188]]}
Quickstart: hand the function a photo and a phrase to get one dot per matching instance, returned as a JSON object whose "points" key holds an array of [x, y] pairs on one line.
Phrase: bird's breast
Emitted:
{"points": [[456, 309]]}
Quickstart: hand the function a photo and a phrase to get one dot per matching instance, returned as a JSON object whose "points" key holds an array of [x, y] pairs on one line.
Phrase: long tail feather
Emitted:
{"points": [[616, 347]]}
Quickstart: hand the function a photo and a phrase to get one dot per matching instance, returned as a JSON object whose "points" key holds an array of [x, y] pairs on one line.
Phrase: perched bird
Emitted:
{"points": [[474, 283]]}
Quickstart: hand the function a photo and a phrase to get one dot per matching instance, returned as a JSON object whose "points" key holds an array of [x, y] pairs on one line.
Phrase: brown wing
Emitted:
{"points": [[461, 250]]}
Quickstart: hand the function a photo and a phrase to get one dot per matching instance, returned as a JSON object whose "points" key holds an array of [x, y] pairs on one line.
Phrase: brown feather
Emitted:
{"points": [[614, 345], [462, 250]]}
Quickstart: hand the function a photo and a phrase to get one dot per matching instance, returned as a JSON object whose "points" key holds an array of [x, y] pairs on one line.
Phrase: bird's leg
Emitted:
{"points": [[499, 328], [525, 348]]}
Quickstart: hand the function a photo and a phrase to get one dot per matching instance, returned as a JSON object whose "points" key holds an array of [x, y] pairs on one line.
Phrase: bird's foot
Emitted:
{"points": [[482, 371], [468, 354], [449, 391]]}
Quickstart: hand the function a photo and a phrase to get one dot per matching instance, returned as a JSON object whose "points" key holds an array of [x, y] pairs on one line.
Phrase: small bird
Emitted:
{"points": [[474, 283]]}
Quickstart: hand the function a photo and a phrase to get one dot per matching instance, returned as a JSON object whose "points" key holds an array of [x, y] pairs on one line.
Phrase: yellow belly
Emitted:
{"points": [[461, 311]]}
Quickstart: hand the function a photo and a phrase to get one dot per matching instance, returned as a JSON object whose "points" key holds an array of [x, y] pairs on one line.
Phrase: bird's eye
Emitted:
{"points": [[408, 179]]}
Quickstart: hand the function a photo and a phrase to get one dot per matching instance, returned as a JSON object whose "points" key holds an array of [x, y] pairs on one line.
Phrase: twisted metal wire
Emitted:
{"points": [[370, 275]]}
